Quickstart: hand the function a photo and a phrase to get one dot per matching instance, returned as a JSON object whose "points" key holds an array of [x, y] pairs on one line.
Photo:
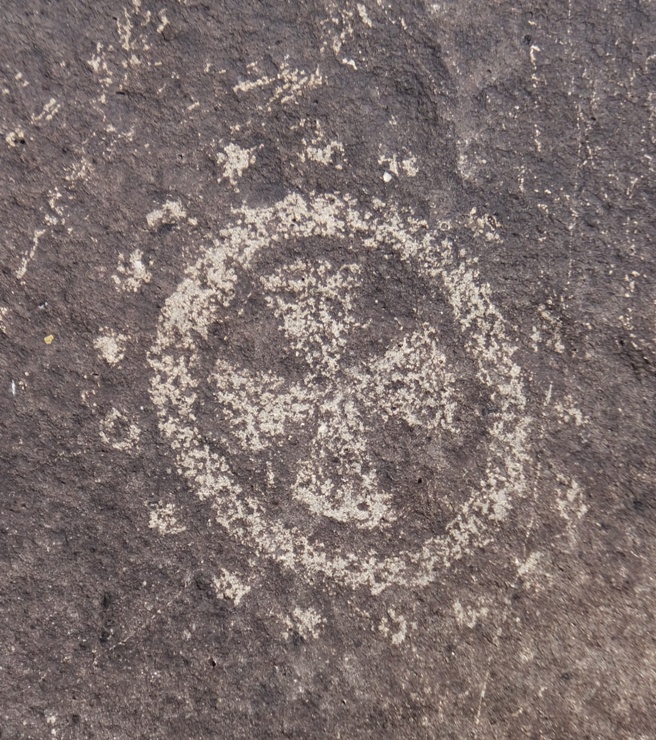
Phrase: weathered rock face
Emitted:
{"points": [[327, 370]]}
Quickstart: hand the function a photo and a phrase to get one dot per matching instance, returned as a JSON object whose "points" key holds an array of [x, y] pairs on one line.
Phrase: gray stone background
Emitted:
{"points": [[530, 129]]}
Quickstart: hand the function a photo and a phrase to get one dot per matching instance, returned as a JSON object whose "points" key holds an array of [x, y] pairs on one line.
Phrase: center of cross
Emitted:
{"points": [[338, 400]]}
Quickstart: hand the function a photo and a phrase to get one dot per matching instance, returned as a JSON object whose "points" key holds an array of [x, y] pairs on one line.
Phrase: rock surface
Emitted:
{"points": [[327, 369]]}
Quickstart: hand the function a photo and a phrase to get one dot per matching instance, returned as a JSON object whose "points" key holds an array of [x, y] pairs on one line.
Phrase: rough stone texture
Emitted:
{"points": [[497, 163]]}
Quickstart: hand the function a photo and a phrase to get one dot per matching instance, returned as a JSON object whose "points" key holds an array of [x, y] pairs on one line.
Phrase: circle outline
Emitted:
{"points": [[188, 312]]}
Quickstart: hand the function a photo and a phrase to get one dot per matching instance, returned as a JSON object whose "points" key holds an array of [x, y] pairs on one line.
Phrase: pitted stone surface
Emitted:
{"points": [[327, 370]]}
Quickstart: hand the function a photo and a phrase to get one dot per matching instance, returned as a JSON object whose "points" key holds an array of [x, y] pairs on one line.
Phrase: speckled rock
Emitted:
{"points": [[327, 369]]}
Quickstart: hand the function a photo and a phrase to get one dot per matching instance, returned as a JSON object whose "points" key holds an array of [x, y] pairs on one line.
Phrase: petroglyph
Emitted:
{"points": [[171, 212], [394, 168], [111, 346], [15, 137], [329, 409], [305, 622], [235, 160], [314, 302], [283, 88], [163, 519], [319, 149], [469, 616], [131, 272], [117, 432], [49, 111], [395, 627], [230, 586]]}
